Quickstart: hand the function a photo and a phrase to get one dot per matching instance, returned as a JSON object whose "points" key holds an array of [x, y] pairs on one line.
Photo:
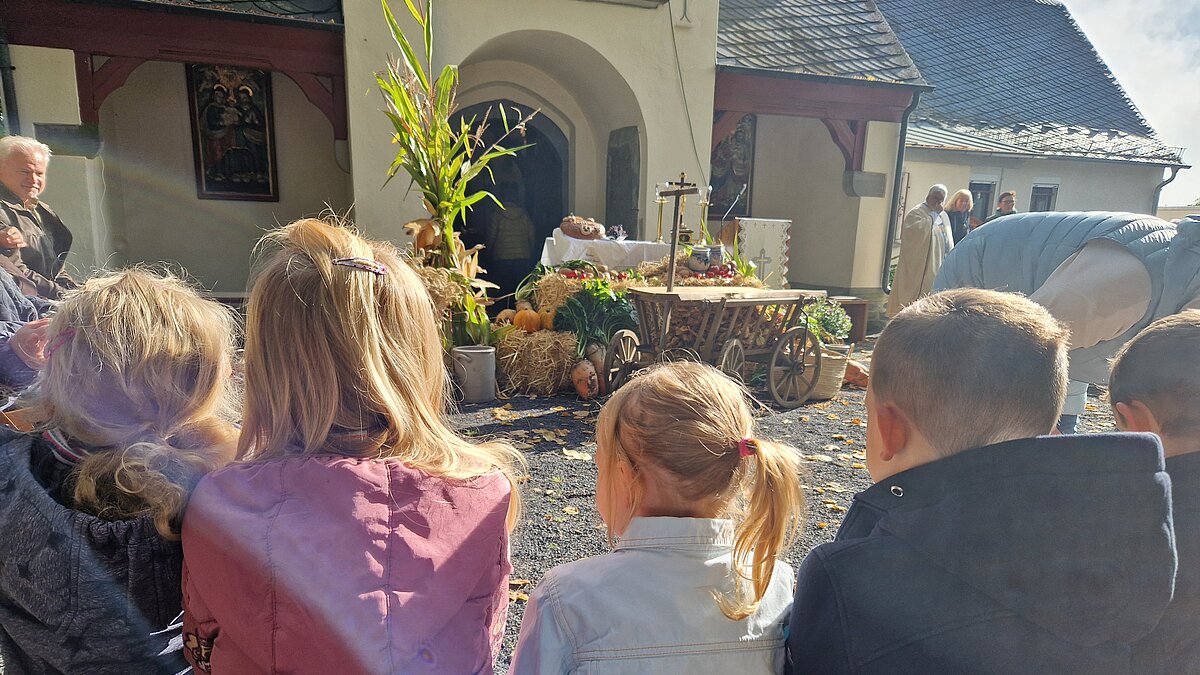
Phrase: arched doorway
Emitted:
{"points": [[532, 186]]}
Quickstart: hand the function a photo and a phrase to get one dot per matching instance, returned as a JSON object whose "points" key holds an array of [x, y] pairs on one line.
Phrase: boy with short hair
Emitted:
{"points": [[985, 546], [1154, 386]]}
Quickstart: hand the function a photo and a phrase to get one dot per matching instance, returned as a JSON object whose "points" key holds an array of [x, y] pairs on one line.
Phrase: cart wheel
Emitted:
{"points": [[679, 354], [794, 367], [733, 359], [621, 358]]}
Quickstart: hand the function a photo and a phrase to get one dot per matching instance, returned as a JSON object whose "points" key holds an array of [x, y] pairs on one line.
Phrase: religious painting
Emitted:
{"points": [[233, 132], [732, 171]]}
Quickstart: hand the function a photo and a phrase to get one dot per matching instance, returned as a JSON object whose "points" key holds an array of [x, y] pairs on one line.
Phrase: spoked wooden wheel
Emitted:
{"points": [[679, 354], [732, 359], [794, 367], [621, 358]]}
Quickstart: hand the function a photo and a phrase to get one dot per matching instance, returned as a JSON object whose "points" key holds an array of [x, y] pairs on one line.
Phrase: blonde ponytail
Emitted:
{"points": [[774, 502], [139, 369]]}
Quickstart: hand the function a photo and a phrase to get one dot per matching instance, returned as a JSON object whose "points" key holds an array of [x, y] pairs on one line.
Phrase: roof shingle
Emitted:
{"points": [[1020, 72], [832, 38]]}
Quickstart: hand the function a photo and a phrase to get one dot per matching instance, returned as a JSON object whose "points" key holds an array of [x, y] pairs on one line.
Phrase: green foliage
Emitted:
{"points": [[828, 320], [595, 313], [439, 159], [469, 325], [744, 266]]}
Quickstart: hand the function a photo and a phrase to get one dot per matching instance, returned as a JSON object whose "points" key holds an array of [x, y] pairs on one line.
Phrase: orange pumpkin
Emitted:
{"points": [[528, 321], [547, 315]]}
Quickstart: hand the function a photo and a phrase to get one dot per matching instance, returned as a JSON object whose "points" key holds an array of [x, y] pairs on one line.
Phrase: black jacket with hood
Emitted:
{"points": [[1040, 555]]}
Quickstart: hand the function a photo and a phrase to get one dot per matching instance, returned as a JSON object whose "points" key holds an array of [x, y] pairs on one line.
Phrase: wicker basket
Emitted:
{"points": [[833, 372]]}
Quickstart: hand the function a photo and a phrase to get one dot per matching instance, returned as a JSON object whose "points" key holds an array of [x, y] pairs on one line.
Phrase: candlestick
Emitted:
{"points": [[704, 201], [661, 201]]}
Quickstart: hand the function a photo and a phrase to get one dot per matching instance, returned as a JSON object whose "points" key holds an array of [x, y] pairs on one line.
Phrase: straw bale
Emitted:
{"points": [[553, 290], [536, 363]]}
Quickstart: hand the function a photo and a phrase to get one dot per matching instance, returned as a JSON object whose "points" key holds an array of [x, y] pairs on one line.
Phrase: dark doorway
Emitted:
{"points": [[533, 188], [624, 178]]}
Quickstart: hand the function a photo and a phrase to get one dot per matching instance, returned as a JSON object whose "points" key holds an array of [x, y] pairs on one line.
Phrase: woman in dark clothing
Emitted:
{"points": [[958, 207], [133, 396]]}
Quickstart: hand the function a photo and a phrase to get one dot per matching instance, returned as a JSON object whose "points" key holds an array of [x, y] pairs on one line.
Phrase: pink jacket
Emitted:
{"points": [[331, 564]]}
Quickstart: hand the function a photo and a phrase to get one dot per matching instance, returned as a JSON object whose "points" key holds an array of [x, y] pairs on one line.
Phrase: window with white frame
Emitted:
{"points": [[1043, 197]]}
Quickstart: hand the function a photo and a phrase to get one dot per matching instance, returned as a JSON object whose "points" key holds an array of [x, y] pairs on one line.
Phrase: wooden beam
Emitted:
{"points": [[325, 99], [851, 139], [769, 94], [116, 31], [95, 84]]}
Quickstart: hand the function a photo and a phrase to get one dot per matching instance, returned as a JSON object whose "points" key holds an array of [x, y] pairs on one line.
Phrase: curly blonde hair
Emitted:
{"points": [[340, 358], [139, 372]]}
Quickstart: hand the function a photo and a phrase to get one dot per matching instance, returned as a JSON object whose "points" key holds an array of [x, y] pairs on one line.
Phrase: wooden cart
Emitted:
{"points": [[725, 327]]}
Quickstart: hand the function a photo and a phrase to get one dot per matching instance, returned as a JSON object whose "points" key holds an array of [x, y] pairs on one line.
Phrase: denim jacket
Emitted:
{"points": [[649, 607]]}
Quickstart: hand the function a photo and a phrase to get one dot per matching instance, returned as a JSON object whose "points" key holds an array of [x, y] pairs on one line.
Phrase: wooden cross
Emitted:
{"points": [[682, 189]]}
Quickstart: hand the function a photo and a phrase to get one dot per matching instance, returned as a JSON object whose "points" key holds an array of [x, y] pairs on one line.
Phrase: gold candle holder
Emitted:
{"points": [[661, 201], [704, 201]]}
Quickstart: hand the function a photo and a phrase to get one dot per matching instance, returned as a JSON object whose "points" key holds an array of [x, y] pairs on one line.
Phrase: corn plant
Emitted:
{"points": [[439, 159]]}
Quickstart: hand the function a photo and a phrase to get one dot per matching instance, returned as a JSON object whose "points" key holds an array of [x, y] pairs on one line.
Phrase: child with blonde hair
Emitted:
{"points": [[358, 533], [1153, 387], [134, 396], [700, 510], [986, 545]]}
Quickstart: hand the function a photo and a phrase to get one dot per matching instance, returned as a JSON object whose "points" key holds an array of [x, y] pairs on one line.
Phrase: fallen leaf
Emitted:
{"points": [[518, 596], [838, 437], [517, 583], [857, 422], [822, 525], [556, 479], [833, 416], [804, 418], [557, 408], [575, 454], [858, 465], [571, 510], [836, 508], [818, 458], [522, 446], [849, 441], [580, 414]]}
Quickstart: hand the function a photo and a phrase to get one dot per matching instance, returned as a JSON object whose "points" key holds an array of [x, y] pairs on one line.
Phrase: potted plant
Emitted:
{"points": [[828, 320]]}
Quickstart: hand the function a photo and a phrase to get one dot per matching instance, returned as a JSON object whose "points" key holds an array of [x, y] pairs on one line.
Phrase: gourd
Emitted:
{"points": [[506, 316], [547, 316], [583, 376], [528, 321], [524, 304]]}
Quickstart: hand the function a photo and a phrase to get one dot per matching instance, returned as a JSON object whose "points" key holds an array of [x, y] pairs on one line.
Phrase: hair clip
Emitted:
{"points": [[59, 340], [747, 447], [364, 264]]}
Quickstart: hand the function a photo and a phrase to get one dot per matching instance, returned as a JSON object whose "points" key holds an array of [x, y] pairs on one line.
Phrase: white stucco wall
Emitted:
{"points": [[46, 93], [1084, 185], [600, 57], [151, 201], [837, 240]]}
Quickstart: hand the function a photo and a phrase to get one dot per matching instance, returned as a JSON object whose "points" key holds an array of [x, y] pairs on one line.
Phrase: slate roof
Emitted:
{"points": [[1020, 72], [320, 11], [831, 38]]}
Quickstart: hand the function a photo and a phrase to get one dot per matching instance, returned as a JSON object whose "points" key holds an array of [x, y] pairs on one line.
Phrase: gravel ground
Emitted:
{"points": [[560, 522]]}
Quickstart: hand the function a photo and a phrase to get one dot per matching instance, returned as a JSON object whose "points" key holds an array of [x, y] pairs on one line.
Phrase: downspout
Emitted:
{"points": [[893, 216], [1159, 188], [9, 89]]}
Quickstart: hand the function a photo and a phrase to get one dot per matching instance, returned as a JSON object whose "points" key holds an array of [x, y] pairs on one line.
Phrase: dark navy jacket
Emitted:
{"points": [[1041, 555], [1174, 646]]}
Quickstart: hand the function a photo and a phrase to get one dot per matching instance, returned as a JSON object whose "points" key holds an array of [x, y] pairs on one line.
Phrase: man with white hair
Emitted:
{"points": [[34, 242], [925, 239]]}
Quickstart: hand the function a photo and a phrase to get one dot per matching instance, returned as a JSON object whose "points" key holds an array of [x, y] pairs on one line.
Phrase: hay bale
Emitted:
{"points": [[536, 363], [553, 290]]}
